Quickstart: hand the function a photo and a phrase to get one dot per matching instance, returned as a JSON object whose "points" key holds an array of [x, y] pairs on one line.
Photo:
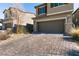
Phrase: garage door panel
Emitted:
{"points": [[56, 26]]}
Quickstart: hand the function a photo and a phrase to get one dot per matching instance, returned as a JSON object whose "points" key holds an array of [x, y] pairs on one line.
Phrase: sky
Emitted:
{"points": [[76, 5], [25, 6]]}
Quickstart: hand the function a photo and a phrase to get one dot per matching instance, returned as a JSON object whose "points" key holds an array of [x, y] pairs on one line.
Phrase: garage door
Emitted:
{"points": [[56, 26]]}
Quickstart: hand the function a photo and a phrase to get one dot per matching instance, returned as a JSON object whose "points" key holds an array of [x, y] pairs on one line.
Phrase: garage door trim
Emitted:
{"points": [[50, 19], [59, 28]]}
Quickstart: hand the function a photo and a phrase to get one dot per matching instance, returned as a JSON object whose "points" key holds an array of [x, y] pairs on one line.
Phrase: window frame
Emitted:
{"points": [[42, 11], [6, 15], [54, 5]]}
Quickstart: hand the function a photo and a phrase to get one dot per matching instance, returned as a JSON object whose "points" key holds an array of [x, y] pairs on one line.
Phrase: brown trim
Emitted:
{"points": [[40, 5], [57, 6], [39, 17], [37, 11]]}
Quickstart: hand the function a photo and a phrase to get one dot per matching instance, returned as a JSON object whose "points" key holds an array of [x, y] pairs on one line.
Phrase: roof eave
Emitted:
{"points": [[40, 5]]}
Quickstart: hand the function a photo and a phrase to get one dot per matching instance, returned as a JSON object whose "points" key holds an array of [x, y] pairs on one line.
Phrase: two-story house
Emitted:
{"points": [[17, 19], [53, 18]]}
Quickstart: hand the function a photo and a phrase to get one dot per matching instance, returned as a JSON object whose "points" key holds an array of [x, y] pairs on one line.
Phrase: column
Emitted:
{"points": [[68, 24]]}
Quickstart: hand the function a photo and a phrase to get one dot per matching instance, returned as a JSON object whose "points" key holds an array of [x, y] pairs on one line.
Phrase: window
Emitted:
{"points": [[52, 5], [41, 10], [61, 3], [56, 4], [13, 14], [5, 15]]}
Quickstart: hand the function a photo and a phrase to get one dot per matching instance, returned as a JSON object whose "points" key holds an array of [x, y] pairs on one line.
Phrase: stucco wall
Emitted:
{"points": [[59, 8], [64, 16], [52, 17], [24, 18]]}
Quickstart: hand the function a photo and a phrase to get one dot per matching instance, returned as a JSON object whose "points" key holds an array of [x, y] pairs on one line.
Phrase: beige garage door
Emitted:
{"points": [[56, 26]]}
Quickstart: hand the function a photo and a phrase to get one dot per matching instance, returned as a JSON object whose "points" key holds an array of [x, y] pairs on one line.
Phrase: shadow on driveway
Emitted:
{"points": [[73, 53], [68, 38]]}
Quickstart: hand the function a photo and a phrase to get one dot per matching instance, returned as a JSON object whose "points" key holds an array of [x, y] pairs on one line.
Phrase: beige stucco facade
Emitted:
{"points": [[18, 17], [59, 9], [57, 20], [18, 20], [25, 18], [60, 18]]}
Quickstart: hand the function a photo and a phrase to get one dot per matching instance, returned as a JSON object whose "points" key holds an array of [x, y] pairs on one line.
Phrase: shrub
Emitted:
{"points": [[75, 33], [9, 31], [29, 28], [4, 35]]}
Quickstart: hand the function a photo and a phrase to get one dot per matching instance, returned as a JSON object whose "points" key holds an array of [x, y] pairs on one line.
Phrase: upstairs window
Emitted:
{"points": [[41, 10], [14, 15], [6, 15], [61, 4], [56, 4]]}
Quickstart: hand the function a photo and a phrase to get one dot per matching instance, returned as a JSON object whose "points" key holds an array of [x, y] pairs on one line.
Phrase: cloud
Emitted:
{"points": [[76, 5], [18, 5]]}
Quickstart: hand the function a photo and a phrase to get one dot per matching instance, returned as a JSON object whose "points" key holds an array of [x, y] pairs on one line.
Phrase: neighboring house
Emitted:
{"points": [[53, 18], [75, 18], [15, 17], [1, 24]]}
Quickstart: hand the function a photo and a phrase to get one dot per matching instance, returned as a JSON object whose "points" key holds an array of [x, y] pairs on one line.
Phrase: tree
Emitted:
{"points": [[18, 7], [76, 22]]}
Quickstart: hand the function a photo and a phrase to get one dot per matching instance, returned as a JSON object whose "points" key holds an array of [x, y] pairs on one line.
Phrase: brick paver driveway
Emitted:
{"points": [[39, 44]]}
